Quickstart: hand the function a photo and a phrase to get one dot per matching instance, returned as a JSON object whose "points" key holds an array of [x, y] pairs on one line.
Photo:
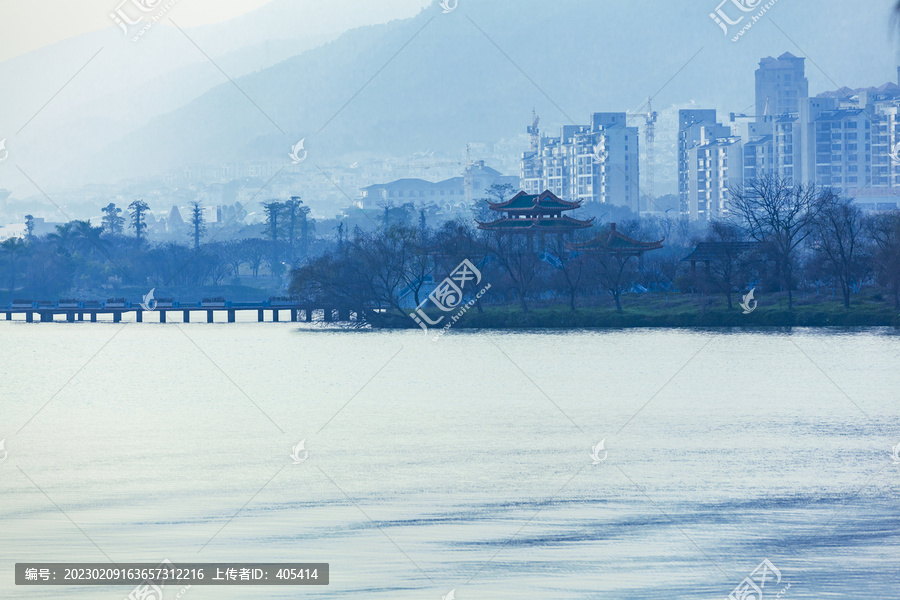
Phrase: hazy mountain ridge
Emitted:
{"points": [[451, 84]]}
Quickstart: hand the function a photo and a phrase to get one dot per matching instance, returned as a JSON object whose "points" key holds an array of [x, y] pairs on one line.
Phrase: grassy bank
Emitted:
{"points": [[648, 310]]}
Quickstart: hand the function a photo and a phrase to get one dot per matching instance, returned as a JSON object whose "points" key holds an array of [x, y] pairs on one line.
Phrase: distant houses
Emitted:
{"points": [[449, 194]]}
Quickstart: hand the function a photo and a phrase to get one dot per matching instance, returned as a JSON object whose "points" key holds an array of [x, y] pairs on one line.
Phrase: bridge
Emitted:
{"points": [[80, 311]]}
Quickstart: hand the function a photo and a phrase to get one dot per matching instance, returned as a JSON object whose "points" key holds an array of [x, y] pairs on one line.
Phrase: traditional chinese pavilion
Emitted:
{"points": [[535, 214], [616, 243]]}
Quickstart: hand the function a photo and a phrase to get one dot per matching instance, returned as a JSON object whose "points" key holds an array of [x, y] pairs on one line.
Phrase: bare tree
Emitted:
{"points": [[781, 214], [616, 274], [571, 269], [839, 243], [884, 230], [727, 272], [515, 256]]}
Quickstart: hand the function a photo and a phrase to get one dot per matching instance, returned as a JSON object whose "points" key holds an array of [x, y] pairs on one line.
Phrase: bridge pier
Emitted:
{"points": [[117, 316], [94, 317], [162, 316], [139, 316], [70, 317], [209, 316], [261, 315], [187, 316], [231, 315], [294, 315], [46, 317], [9, 316], [343, 314], [274, 315], [329, 315], [29, 317], [81, 317]]}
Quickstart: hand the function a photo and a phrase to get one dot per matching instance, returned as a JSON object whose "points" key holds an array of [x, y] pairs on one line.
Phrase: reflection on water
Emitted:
{"points": [[465, 463]]}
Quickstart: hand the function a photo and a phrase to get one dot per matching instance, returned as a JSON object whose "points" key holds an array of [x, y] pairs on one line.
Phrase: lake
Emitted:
{"points": [[460, 464]]}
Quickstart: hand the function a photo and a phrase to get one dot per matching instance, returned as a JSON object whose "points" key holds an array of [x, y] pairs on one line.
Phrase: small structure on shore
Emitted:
{"points": [[717, 252], [615, 243]]}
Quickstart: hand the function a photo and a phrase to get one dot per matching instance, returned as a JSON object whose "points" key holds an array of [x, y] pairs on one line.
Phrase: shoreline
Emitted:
{"points": [[562, 318]]}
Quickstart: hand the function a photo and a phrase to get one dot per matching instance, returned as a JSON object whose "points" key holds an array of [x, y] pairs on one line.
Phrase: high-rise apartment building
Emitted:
{"points": [[710, 160], [596, 163], [780, 85]]}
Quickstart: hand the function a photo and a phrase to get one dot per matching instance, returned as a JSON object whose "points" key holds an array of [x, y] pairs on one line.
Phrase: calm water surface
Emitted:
{"points": [[463, 463]]}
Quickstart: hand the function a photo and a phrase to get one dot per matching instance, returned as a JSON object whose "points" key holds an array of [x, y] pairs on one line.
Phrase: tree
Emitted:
{"points": [[387, 206], [781, 214], [884, 230], [254, 251], [139, 210], [273, 210], [500, 192], [29, 227], [303, 215], [615, 273], [570, 269], [12, 247], [113, 224], [495, 194], [728, 271], [233, 255], [292, 212], [520, 263], [839, 243], [198, 224]]}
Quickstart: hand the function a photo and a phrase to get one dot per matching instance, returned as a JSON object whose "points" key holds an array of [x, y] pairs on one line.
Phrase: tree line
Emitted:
{"points": [[81, 258], [803, 237], [778, 236]]}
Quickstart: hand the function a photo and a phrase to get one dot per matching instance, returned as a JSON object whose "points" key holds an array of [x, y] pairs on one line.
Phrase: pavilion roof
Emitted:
{"points": [[529, 202], [614, 242], [546, 225]]}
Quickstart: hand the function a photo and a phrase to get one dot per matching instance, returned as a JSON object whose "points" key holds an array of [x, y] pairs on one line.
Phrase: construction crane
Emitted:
{"points": [[650, 117], [534, 131]]}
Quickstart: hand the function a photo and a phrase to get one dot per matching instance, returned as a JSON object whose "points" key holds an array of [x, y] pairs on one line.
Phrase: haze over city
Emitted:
{"points": [[449, 299]]}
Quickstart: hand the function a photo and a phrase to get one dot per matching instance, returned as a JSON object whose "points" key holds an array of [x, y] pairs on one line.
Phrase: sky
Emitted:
{"points": [[27, 25]]}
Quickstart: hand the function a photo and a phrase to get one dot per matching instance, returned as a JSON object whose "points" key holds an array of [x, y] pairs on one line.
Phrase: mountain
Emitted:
{"points": [[436, 81]]}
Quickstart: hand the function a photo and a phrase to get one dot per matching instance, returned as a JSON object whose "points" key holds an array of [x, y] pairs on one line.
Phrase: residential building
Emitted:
{"points": [[456, 192], [710, 161], [781, 85], [595, 163]]}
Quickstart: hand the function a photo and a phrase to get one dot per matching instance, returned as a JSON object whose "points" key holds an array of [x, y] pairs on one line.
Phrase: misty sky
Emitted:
{"points": [[29, 25], [84, 104]]}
